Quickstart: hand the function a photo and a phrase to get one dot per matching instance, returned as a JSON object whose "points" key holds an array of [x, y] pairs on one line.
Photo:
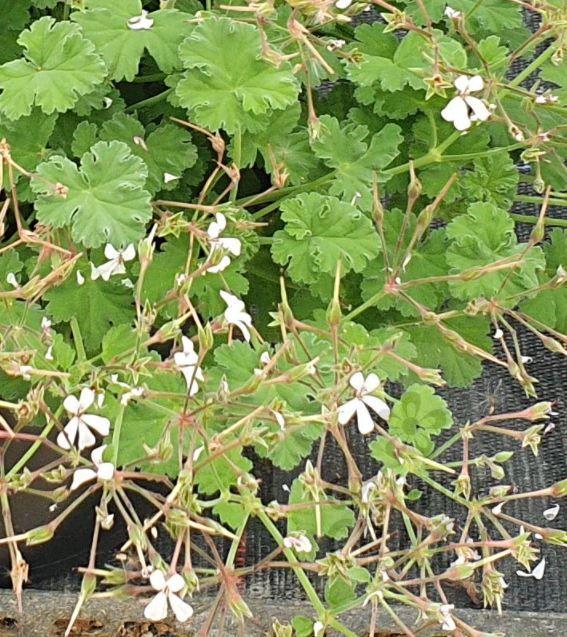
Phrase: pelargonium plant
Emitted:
{"points": [[234, 232]]}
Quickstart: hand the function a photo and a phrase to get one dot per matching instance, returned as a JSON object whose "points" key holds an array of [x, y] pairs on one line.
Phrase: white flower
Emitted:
{"points": [[115, 264], [26, 371], [186, 362], [448, 621], [49, 353], [166, 589], [45, 325], [364, 388], [536, 573], [551, 513], [546, 98], [235, 313], [168, 177], [452, 13], [80, 278], [141, 22], [102, 471], [458, 110], [11, 279], [131, 394], [335, 44], [318, 629], [300, 543], [366, 491], [107, 102], [343, 4], [226, 244], [81, 423], [498, 334], [279, 419]]}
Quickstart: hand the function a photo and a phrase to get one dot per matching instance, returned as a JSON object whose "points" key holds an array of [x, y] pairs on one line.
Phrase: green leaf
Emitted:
{"points": [[479, 238], [116, 341], [105, 23], [231, 513], [59, 66], [102, 201], [97, 305], [433, 350], [355, 156], [418, 415], [222, 472], [165, 149], [228, 83], [428, 260], [494, 179], [28, 138], [319, 231], [336, 517]]}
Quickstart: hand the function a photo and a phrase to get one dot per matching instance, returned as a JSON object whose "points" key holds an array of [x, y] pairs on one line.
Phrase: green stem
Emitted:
{"points": [[116, 434], [237, 159], [302, 577], [533, 66], [369, 303], [236, 542], [539, 201], [150, 101], [81, 354]]}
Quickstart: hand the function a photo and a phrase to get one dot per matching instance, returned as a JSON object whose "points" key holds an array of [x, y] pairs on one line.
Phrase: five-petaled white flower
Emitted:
{"points": [[115, 264], [343, 4], [141, 22], [186, 362], [364, 388], [458, 110], [235, 313], [81, 423], [166, 589], [218, 243], [300, 543], [102, 470]]}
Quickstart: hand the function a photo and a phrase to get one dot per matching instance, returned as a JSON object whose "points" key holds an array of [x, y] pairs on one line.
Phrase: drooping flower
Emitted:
{"points": [[186, 362], [464, 108], [102, 470], [141, 22], [235, 313], [537, 572], [318, 629], [300, 543], [218, 243], [362, 401], [80, 425], [167, 590], [115, 264]]}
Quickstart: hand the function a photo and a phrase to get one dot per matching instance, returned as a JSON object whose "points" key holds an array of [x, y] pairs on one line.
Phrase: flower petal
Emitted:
{"points": [[86, 438], [129, 252], [81, 476], [175, 583], [234, 246], [156, 610], [462, 83], [457, 112], [157, 580], [244, 329], [97, 454], [378, 406], [551, 513], [105, 471], [67, 437], [356, 381], [476, 83], [99, 423], [364, 419], [346, 411], [478, 107], [539, 570], [371, 383], [71, 404], [182, 610], [86, 399]]}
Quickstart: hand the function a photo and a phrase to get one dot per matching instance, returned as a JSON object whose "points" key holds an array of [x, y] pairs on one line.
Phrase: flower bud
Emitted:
{"points": [[39, 535]]}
